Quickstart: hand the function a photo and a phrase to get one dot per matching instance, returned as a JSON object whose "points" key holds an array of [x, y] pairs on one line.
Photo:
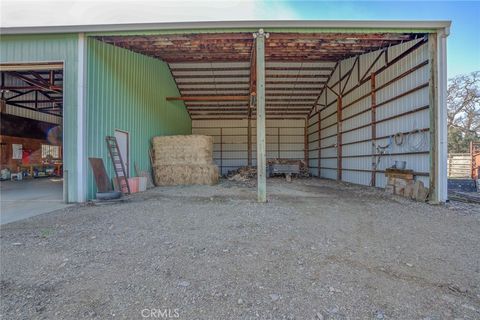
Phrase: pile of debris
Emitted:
{"points": [[243, 174], [402, 182], [303, 172], [249, 174]]}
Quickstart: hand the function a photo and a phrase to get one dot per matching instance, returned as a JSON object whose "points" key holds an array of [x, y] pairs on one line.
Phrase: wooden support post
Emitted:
{"points": [[278, 143], [472, 158], [261, 143], [433, 107], [221, 151], [319, 142], [249, 140], [373, 97], [305, 142], [339, 138], [253, 96]]}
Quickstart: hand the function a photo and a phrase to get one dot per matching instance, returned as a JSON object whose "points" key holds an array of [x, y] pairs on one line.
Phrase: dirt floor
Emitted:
{"points": [[317, 250]]}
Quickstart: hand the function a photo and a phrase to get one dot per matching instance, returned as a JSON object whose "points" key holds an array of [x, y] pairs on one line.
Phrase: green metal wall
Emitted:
{"points": [[53, 48], [126, 91]]}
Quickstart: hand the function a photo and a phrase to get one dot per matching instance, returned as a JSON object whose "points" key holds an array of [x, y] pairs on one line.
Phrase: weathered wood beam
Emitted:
{"points": [[298, 68], [298, 76], [209, 69], [305, 143], [209, 98], [339, 138], [261, 139]]}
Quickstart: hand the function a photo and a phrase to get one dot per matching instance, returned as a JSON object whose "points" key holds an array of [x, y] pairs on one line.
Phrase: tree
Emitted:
{"points": [[463, 111]]}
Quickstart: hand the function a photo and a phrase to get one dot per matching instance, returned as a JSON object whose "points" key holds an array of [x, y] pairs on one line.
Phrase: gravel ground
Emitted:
{"points": [[318, 250]]}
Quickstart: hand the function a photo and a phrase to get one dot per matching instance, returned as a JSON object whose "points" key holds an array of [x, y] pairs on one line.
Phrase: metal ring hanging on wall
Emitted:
{"points": [[399, 138]]}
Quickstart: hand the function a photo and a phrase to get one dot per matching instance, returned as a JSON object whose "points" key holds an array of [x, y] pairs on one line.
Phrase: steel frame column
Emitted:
{"points": [[81, 173], [437, 52]]}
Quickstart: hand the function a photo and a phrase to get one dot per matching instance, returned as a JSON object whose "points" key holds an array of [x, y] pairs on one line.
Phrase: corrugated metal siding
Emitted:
{"points": [[127, 91], [399, 111], [53, 48], [285, 139]]}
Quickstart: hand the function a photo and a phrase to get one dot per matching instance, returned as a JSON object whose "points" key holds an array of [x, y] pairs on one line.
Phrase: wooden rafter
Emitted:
{"points": [[209, 98], [206, 86]]}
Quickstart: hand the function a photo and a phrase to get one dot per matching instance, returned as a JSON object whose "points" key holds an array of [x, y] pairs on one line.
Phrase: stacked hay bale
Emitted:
{"points": [[184, 160]]}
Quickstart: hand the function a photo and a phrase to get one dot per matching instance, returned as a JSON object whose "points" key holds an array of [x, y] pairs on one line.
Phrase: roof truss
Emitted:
{"points": [[215, 72]]}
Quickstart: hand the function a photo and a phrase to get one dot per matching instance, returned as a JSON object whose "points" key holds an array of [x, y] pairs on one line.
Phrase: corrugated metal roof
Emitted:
{"points": [[373, 25]]}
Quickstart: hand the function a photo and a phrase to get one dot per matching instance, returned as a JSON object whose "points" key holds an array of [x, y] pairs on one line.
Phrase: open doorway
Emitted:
{"points": [[122, 140], [31, 140]]}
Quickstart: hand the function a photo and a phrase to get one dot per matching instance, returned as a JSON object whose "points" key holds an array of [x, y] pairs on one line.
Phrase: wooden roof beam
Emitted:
{"points": [[253, 80], [209, 98]]}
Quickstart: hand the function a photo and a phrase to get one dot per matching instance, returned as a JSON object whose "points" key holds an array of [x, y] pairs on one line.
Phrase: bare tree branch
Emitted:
{"points": [[463, 103]]}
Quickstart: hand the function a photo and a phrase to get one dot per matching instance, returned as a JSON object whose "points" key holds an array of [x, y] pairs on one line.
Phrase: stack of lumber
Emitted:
{"points": [[184, 160], [402, 183]]}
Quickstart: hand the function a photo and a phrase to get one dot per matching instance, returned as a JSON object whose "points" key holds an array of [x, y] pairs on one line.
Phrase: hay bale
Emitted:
{"points": [[183, 150], [184, 160], [169, 175]]}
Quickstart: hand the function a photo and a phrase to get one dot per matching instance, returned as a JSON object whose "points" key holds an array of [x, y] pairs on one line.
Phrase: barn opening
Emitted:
{"points": [[31, 139], [348, 104]]}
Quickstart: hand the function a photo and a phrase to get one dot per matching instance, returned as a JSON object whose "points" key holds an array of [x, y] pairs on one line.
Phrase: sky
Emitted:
{"points": [[463, 42]]}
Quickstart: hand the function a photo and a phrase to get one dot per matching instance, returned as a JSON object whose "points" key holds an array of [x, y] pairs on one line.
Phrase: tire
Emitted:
{"points": [[111, 195]]}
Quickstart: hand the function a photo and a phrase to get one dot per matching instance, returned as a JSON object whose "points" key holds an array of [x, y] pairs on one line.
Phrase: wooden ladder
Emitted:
{"points": [[118, 165]]}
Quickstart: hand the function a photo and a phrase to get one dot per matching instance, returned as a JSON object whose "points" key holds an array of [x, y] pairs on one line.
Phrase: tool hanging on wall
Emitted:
{"points": [[380, 151], [118, 165]]}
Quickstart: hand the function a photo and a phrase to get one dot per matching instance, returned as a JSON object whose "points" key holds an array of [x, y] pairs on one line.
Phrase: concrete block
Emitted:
{"points": [[400, 185], [408, 192], [390, 189]]}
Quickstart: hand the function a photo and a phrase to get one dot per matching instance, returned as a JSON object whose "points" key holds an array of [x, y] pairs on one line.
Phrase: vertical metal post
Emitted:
{"points": [[339, 138], [65, 186], [442, 141], [80, 163], [373, 96], [261, 155]]}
